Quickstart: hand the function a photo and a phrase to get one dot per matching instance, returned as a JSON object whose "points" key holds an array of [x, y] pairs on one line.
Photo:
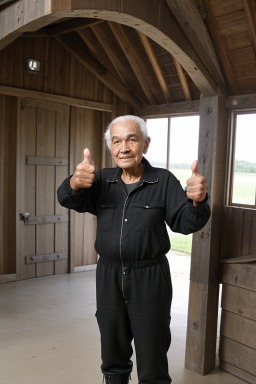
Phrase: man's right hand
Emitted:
{"points": [[84, 174]]}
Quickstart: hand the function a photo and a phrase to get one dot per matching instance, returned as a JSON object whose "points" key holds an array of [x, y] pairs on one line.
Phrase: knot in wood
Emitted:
{"points": [[195, 325]]}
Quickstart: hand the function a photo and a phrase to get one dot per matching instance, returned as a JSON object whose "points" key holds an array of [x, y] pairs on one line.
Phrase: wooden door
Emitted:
{"points": [[42, 163]]}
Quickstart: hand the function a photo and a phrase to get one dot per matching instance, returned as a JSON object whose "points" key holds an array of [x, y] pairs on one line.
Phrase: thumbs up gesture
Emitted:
{"points": [[196, 185], [84, 174]]}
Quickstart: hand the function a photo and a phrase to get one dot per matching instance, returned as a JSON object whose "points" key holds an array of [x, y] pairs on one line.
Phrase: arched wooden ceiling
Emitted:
{"points": [[150, 53]]}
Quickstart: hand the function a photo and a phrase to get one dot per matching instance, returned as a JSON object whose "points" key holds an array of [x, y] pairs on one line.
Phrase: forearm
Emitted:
{"points": [[182, 214], [80, 201]]}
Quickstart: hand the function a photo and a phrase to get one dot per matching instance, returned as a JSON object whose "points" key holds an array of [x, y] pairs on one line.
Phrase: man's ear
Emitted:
{"points": [[146, 145]]}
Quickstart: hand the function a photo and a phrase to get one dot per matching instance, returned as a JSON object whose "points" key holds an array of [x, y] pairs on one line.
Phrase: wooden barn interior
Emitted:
{"points": [[104, 58]]}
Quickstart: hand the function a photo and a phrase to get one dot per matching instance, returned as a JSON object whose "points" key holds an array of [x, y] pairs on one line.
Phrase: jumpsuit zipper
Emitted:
{"points": [[120, 244]]}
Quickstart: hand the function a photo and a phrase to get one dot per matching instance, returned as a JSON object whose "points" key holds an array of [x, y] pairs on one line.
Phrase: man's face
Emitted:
{"points": [[127, 144]]}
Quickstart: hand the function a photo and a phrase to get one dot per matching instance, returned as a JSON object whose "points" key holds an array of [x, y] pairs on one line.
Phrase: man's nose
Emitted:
{"points": [[124, 146]]}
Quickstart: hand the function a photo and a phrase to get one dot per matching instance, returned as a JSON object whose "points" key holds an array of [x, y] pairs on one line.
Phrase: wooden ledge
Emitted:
{"points": [[240, 260]]}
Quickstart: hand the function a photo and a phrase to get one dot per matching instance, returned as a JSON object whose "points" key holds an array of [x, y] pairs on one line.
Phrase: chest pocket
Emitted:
{"points": [[105, 214], [148, 216]]}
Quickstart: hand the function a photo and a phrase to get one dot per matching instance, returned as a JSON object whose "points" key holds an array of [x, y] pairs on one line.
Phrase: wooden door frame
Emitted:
{"points": [[20, 169]]}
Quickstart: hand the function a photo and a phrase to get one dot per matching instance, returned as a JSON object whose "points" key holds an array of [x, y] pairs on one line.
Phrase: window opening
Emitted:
{"points": [[243, 171], [174, 145], [157, 152], [183, 146]]}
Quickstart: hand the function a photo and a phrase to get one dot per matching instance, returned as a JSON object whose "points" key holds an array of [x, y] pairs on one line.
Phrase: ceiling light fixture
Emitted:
{"points": [[33, 66]]}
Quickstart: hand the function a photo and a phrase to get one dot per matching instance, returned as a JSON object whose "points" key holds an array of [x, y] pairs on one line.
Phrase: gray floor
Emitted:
{"points": [[48, 332]]}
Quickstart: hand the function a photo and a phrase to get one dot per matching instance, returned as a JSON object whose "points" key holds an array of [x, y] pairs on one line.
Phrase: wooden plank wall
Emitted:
{"points": [[60, 74], [83, 226], [238, 321], [238, 232], [8, 132]]}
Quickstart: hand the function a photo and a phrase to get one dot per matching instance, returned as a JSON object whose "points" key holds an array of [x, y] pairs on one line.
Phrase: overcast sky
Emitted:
{"points": [[246, 138], [184, 139]]}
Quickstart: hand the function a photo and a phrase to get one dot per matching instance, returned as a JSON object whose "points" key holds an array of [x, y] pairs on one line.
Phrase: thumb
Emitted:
{"points": [[194, 168], [87, 156]]}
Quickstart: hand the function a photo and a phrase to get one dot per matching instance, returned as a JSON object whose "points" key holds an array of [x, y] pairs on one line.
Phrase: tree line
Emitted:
{"points": [[245, 167]]}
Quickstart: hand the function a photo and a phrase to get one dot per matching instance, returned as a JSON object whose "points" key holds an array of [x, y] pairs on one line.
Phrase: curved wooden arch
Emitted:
{"points": [[153, 18]]}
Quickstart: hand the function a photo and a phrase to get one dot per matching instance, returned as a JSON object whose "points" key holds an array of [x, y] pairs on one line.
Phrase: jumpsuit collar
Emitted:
{"points": [[148, 176]]}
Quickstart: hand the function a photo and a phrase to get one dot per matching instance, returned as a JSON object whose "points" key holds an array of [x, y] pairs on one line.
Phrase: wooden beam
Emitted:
{"points": [[66, 27], [111, 49], [204, 274], [173, 109], [250, 11], [49, 97], [155, 65], [76, 47], [95, 48], [129, 52], [242, 102], [183, 80], [194, 27], [74, 25], [15, 20], [156, 21], [217, 39], [4, 2]]}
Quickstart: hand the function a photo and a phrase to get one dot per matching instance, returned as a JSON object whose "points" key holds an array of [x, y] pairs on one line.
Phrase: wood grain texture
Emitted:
{"points": [[238, 355], [239, 300], [238, 328], [204, 288], [43, 138], [8, 137]]}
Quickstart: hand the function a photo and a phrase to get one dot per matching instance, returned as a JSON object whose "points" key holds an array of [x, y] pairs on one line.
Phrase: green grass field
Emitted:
{"points": [[244, 188], [181, 243], [244, 193]]}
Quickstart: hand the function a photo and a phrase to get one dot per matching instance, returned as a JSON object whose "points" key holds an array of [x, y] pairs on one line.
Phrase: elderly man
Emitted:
{"points": [[133, 203]]}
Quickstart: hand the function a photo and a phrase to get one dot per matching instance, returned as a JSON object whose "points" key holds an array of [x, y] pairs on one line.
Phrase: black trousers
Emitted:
{"points": [[134, 303]]}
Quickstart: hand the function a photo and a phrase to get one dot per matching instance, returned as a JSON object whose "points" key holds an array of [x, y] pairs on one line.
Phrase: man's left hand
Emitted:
{"points": [[196, 185]]}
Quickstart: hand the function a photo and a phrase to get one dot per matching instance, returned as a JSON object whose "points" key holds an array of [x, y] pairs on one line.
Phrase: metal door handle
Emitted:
{"points": [[24, 217]]}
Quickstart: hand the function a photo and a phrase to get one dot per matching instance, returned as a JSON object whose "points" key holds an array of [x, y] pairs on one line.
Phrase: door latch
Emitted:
{"points": [[24, 217]]}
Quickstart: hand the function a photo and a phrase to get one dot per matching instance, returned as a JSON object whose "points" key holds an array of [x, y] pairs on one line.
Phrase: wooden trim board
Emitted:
{"points": [[21, 92]]}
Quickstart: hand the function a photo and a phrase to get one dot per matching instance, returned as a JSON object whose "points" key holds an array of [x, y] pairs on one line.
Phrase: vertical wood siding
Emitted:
{"points": [[238, 232], [60, 74], [8, 132]]}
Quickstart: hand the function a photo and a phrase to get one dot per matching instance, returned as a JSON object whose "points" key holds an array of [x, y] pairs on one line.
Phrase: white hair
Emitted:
{"points": [[138, 120]]}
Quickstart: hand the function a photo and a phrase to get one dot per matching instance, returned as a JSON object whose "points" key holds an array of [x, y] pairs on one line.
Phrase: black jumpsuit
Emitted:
{"points": [[133, 282]]}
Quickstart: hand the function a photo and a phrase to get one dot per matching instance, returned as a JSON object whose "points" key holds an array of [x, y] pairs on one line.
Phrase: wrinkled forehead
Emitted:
{"points": [[124, 129]]}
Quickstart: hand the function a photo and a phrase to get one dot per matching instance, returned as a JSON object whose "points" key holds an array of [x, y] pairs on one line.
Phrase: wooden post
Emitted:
{"points": [[204, 282]]}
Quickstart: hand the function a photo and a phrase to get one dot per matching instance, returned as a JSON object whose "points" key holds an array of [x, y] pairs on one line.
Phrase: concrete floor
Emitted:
{"points": [[49, 335]]}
